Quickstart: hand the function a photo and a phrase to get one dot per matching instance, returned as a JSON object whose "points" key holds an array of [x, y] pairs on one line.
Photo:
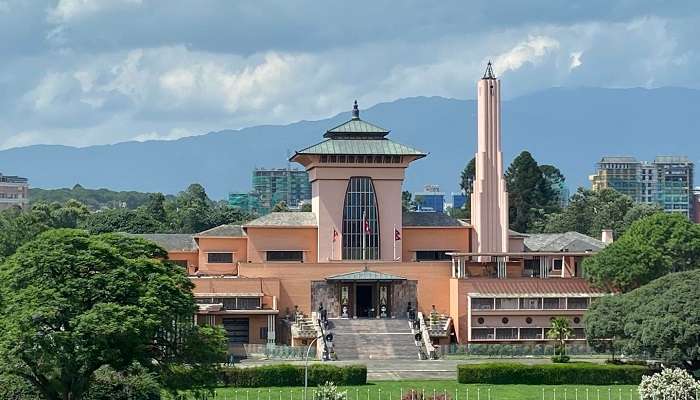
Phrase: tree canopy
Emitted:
{"points": [[589, 212], [652, 247], [530, 193], [660, 320], [71, 303]]}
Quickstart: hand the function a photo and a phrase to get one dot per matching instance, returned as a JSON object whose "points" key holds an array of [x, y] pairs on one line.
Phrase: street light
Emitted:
{"points": [[329, 338]]}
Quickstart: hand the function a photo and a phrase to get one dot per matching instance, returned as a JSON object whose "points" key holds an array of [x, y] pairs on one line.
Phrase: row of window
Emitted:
{"points": [[361, 159], [528, 320], [519, 333], [232, 303], [531, 303], [273, 255]]}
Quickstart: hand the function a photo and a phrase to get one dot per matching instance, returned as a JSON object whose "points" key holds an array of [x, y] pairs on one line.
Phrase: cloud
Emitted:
{"points": [[575, 60], [174, 134], [528, 51], [67, 10], [102, 71]]}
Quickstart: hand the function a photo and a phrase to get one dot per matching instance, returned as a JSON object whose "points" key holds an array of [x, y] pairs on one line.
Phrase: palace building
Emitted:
{"points": [[363, 260]]}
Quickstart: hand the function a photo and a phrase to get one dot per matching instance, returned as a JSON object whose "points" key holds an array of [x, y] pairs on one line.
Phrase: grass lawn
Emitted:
{"points": [[392, 390]]}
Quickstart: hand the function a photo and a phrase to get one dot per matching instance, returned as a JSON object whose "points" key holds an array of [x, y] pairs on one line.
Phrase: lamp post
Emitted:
{"points": [[306, 365]]}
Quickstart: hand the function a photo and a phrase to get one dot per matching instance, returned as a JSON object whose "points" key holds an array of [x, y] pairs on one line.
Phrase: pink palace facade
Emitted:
{"points": [[360, 256]]}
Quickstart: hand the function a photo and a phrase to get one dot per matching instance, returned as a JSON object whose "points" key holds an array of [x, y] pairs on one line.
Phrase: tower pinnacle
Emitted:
{"points": [[355, 111], [488, 74]]}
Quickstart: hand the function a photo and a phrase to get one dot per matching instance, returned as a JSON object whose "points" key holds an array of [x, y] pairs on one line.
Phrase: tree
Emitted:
{"points": [[406, 201], [660, 320], [604, 324], [652, 247], [561, 332], [192, 210], [466, 178], [530, 195], [280, 207], [155, 206], [555, 181], [71, 303], [306, 207], [591, 211], [122, 220]]}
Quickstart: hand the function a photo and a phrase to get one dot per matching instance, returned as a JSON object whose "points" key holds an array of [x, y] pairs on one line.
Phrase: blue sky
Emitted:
{"points": [[82, 72]]}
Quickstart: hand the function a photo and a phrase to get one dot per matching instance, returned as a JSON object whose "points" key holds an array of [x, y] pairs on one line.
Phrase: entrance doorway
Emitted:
{"points": [[364, 301]]}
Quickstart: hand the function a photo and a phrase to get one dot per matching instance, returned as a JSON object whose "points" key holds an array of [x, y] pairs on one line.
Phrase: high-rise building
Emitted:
{"points": [[667, 181], [431, 199], [271, 186], [14, 192], [696, 205], [459, 200]]}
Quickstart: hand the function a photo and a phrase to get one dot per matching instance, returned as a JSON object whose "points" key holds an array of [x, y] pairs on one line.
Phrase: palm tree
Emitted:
{"points": [[561, 332]]}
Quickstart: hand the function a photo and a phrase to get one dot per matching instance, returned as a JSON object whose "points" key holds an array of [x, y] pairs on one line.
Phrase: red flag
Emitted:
{"points": [[335, 235], [397, 234], [365, 223]]}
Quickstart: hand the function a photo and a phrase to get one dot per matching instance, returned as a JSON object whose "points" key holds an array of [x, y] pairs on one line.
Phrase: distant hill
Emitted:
{"points": [[568, 127], [93, 198]]}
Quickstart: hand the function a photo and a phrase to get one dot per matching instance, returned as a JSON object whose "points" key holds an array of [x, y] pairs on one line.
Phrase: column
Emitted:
{"points": [[271, 329]]}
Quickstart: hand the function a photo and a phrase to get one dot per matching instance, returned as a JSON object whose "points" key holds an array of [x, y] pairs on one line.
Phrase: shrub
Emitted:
{"points": [[136, 384], [669, 384], [550, 374], [293, 375], [414, 394], [14, 388], [329, 391], [561, 358]]}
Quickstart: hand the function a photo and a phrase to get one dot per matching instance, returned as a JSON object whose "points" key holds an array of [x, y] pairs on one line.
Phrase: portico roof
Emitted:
{"points": [[365, 276]]}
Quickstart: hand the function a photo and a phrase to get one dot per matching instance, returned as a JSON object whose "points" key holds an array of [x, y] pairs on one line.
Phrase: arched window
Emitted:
{"points": [[360, 206]]}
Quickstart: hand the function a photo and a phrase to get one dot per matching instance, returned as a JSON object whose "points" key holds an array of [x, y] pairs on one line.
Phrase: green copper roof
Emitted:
{"points": [[365, 276], [356, 126], [362, 147]]}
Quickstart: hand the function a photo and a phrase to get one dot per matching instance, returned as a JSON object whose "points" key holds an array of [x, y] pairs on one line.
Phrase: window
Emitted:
{"points": [[288, 255], [528, 320], [433, 255], [220, 258], [556, 264], [577, 320], [360, 207], [505, 320], [263, 332], [236, 330], [480, 320], [506, 304]]}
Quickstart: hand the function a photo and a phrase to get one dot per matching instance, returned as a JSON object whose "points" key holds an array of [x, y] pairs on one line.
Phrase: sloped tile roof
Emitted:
{"points": [[171, 241], [357, 125], [284, 219], [568, 241], [429, 219], [362, 147], [224, 231], [366, 276], [532, 287]]}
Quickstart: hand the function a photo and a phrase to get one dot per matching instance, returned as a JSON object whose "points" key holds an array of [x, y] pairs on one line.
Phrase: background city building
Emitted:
{"points": [[14, 192], [666, 181], [271, 186], [459, 200], [430, 200]]}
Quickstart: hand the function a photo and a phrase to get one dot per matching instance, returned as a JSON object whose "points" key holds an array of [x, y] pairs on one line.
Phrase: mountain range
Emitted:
{"points": [[571, 128]]}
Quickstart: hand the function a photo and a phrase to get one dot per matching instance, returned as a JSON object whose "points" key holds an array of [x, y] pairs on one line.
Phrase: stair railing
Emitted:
{"points": [[430, 350]]}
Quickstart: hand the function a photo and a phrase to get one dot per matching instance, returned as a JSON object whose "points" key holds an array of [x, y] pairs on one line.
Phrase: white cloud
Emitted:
{"points": [[575, 60], [528, 51], [67, 10], [4, 7]]}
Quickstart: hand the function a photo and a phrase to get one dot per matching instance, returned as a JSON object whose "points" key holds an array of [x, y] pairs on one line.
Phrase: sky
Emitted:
{"points": [[84, 72]]}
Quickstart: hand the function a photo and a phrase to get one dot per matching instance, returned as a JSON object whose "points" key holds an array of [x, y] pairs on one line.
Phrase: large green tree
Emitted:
{"points": [[652, 247], [591, 211], [530, 194], [660, 320], [71, 303]]}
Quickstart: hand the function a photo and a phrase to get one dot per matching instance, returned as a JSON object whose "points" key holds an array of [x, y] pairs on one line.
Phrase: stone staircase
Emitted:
{"points": [[373, 339]]}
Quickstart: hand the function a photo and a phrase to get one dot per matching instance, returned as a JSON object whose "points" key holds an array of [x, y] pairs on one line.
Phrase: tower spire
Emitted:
{"points": [[488, 74], [355, 111]]}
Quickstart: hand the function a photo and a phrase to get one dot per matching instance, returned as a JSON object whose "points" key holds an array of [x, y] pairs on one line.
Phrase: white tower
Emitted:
{"points": [[489, 200]]}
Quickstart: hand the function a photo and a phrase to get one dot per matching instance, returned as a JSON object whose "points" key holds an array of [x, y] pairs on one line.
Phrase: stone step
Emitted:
{"points": [[376, 339]]}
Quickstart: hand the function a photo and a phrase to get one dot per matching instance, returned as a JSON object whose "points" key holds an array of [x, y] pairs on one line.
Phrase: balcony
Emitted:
{"points": [[506, 333]]}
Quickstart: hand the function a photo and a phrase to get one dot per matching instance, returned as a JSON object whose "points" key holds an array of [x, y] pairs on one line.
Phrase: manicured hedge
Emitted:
{"points": [[293, 375], [551, 374]]}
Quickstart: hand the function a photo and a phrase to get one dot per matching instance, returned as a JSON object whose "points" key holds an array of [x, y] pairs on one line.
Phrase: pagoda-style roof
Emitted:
{"points": [[358, 137], [362, 147], [365, 276]]}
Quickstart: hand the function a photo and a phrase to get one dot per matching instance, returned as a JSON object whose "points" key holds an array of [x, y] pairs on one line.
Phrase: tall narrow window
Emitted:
{"points": [[360, 220]]}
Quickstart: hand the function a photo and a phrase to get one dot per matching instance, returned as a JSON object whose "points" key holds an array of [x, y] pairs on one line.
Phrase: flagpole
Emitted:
{"points": [[394, 242], [364, 236]]}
